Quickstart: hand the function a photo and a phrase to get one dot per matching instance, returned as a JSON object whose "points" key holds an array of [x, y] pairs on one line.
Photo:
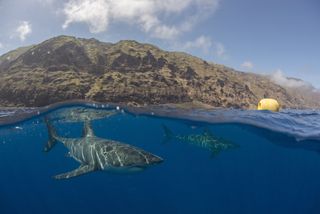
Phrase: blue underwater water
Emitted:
{"points": [[274, 169]]}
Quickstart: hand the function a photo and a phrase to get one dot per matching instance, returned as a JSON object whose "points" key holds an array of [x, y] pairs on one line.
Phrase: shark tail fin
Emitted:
{"points": [[168, 134], [52, 134]]}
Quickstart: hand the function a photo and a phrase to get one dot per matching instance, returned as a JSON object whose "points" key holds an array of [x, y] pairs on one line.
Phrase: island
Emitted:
{"points": [[127, 72]]}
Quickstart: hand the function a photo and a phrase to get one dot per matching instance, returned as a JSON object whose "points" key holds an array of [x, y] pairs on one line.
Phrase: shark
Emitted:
{"points": [[95, 153], [205, 140], [80, 114]]}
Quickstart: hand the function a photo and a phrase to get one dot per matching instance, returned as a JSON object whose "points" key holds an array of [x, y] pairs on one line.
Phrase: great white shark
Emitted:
{"points": [[206, 140], [80, 114], [94, 153]]}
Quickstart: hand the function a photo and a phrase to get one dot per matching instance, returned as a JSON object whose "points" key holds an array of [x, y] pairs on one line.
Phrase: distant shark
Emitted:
{"points": [[94, 153], [80, 114], [205, 140]]}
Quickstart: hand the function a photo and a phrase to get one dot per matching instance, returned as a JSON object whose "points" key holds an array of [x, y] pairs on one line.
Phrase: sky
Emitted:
{"points": [[275, 37]]}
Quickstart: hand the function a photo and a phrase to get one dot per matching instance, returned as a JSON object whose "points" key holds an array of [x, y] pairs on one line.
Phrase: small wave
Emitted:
{"points": [[300, 124], [5, 114]]}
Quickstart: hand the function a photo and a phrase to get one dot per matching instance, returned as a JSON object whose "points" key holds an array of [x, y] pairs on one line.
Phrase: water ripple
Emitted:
{"points": [[301, 124]]}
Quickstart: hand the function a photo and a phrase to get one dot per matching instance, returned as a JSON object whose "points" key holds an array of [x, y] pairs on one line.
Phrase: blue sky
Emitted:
{"points": [[264, 36]]}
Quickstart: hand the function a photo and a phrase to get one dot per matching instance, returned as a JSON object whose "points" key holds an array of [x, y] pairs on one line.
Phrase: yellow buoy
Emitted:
{"points": [[268, 104]]}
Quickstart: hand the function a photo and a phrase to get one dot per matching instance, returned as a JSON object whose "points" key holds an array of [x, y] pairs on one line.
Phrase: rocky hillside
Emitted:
{"points": [[64, 68]]}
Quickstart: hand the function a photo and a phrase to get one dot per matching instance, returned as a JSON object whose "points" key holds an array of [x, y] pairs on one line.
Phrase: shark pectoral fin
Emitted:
{"points": [[83, 169]]}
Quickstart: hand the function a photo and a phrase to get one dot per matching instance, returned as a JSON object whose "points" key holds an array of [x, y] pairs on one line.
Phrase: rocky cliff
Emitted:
{"points": [[64, 68]]}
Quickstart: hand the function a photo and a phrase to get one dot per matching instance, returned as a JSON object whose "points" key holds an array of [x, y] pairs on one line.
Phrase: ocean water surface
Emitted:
{"points": [[272, 167]]}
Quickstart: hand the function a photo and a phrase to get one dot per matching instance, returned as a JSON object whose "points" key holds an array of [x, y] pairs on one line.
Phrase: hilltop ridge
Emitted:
{"points": [[129, 72]]}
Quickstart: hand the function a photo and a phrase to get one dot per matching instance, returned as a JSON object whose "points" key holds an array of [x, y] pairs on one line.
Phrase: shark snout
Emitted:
{"points": [[155, 159]]}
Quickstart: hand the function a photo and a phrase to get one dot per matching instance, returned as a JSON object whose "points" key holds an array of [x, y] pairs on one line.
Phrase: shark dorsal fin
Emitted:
{"points": [[87, 129], [207, 132]]}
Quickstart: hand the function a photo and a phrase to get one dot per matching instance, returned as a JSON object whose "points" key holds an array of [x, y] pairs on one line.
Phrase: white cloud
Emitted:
{"points": [[206, 45], [279, 78], [202, 42], [247, 65], [23, 30], [220, 50], [165, 32], [92, 12], [45, 2], [151, 16], [1, 45]]}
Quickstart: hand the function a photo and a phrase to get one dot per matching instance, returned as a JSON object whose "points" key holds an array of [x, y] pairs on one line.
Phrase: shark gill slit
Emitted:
{"points": [[99, 160], [121, 164], [147, 161]]}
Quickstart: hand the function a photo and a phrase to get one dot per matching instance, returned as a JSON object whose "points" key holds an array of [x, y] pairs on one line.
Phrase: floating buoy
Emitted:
{"points": [[268, 104]]}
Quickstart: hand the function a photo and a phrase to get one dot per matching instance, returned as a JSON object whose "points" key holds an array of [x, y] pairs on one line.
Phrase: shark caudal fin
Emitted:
{"points": [[168, 134], [52, 134]]}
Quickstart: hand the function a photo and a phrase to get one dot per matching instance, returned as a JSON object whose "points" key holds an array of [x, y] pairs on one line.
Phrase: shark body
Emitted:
{"points": [[205, 140], [80, 114], [94, 153]]}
